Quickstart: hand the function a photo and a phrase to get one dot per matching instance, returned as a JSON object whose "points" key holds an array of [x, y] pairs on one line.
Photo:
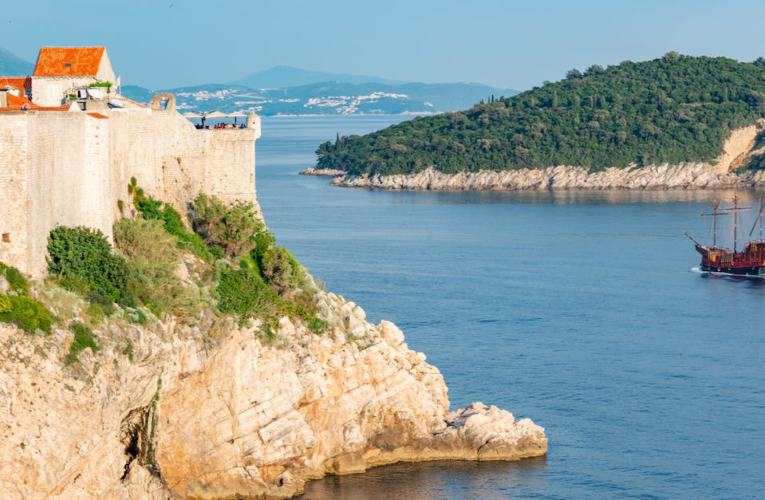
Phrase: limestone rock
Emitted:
{"points": [[241, 419], [684, 176]]}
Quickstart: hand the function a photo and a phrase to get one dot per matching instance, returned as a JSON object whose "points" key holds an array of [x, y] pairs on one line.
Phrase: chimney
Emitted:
{"points": [[3, 97]]}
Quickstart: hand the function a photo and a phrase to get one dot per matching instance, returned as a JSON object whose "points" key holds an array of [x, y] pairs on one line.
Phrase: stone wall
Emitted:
{"points": [[71, 168]]}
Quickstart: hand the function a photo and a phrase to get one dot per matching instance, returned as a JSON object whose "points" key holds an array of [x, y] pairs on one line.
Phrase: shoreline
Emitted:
{"points": [[661, 178]]}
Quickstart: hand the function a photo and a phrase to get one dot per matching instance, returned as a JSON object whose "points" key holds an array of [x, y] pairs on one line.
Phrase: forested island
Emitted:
{"points": [[673, 110]]}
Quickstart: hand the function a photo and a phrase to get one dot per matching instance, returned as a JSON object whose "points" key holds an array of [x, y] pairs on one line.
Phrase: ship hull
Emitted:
{"points": [[736, 271]]}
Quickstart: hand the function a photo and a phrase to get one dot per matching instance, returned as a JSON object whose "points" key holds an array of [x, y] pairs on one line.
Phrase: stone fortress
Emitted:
{"points": [[70, 144]]}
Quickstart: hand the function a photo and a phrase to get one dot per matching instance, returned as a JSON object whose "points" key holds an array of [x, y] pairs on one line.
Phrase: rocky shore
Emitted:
{"points": [[165, 410], [684, 176]]}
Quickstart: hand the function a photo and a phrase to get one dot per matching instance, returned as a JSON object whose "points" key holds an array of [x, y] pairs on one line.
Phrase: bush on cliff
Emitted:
{"points": [[280, 269], [27, 314], [153, 259], [84, 254], [152, 209], [243, 292], [230, 228], [84, 338], [17, 282]]}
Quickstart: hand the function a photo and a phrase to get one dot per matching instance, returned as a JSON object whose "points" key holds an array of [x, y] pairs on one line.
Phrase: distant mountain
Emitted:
{"points": [[287, 76], [327, 98], [12, 65]]}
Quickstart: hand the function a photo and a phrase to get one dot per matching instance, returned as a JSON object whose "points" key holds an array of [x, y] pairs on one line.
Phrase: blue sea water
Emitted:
{"points": [[579, 310]]}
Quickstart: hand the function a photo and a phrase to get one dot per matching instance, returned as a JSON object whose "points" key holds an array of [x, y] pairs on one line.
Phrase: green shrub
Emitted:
{"points": [[85, 253], [75, 284], [152, 209], [29, 315], [101, 301], [96, 314], [84, 338], [138, 316], [16, 280], [230, 228], [243, 292], [317, 325], [153, 259], [5, 304], [280, 269]]}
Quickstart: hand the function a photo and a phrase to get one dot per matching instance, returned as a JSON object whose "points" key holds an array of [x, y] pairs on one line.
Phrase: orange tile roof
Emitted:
{"points": [[23, 104], [98, 116], [69, 61], [18, 83], [19, 102]]}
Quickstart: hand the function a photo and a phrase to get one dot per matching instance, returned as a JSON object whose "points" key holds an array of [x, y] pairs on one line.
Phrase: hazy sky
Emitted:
{"points": [[512, 44]]}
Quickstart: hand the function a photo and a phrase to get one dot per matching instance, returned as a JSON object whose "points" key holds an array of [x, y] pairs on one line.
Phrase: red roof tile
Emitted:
{"points": [[98, 116], [68, 61], [23, 104], [18, 101], [18, 83]]}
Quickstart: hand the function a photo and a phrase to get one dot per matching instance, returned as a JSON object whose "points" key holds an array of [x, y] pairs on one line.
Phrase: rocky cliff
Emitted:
{"points": [[166, 410], [685, 176]]}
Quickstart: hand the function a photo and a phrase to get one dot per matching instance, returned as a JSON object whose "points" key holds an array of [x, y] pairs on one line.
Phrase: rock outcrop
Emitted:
{"points": [[230, 414], [685, 176]]}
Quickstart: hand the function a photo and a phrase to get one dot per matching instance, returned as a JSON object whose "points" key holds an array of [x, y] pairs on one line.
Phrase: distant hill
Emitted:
{"points": [[12, 65], [670, 110], [326, 98], [287, 76]]}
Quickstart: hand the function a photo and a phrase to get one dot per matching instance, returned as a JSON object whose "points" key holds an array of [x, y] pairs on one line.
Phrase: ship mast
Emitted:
{"points": [[759, 217], [715, 214], [735, 209]]}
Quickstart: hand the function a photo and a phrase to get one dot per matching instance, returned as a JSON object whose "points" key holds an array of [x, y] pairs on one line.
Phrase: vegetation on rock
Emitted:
{"points": [[84, 256], [27, 314], [84, 338], [670, 110], [153, 209], [17, 282], [232, 229], [153, 259]]}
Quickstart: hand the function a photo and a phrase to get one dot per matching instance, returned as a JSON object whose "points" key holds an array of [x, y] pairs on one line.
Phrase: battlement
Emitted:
{"points": [[72, 168]]}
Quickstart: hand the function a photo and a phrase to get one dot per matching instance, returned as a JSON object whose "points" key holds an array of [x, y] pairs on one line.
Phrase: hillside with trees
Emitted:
{"points": [[669, 110]]}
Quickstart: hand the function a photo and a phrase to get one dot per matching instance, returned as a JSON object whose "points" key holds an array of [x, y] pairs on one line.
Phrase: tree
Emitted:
{"points": [[760, 61], [672, 56], [595, 69], [231, 228], [573, 74]]}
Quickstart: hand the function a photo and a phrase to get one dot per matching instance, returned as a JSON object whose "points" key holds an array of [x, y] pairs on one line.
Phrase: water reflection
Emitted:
{"points": [[606, 197], [433, 480]]}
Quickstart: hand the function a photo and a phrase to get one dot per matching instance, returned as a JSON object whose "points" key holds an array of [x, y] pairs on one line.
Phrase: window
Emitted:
{"points": [[54, 92], [6, 237]]}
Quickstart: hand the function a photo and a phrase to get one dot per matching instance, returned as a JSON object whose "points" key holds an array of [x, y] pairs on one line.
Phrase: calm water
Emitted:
{"points": [[579, 310]]}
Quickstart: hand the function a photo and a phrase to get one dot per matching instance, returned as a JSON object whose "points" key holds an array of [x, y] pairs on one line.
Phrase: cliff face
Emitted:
{"points": [[229, 414]]}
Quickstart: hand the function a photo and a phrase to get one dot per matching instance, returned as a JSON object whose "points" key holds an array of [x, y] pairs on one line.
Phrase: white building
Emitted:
{"points": [[60, 71]]}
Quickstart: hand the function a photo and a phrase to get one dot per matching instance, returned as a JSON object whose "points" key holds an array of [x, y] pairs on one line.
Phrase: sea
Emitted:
{"points": [[584, 311]]}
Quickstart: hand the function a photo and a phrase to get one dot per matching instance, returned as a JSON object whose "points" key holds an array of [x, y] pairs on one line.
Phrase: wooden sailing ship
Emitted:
{"points": [[750, 261]]}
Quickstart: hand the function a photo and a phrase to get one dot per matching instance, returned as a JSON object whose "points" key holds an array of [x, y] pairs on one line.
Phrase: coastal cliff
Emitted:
{"points": [[685, 176], [166, 410]]}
